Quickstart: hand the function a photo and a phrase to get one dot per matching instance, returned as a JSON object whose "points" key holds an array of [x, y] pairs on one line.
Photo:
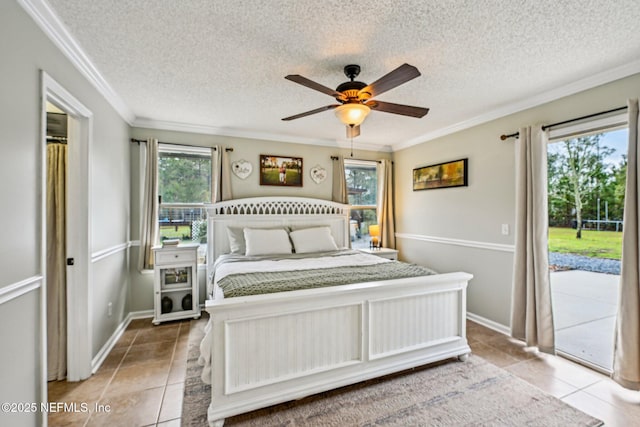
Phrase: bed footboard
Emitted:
{"points": [[273, 348]]}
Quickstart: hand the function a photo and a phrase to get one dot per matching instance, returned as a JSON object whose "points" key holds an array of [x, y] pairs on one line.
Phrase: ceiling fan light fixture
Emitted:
{"points": [[352, 114]]}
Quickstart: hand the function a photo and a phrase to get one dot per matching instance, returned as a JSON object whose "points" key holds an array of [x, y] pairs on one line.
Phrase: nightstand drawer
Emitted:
{"points": [[171, 257]]}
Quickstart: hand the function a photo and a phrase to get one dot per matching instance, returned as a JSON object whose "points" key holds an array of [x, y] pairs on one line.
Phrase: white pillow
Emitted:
{"points": [[266, 242], [236, 240], [318, 239]]}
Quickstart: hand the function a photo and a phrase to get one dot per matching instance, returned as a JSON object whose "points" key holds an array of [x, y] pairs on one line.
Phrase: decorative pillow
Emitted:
{"points": [[317, 239], [236, 240], [266, 242]]}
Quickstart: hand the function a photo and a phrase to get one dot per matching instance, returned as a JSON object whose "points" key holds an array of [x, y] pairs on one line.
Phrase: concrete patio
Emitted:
{"points": [[584, 310]]}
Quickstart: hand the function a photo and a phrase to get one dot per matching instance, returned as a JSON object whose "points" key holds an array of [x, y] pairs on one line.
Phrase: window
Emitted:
{"points": [[184, 186], [362, 189]]}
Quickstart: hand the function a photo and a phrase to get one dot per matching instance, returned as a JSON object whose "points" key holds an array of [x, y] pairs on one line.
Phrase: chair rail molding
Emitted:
{"points": [[105, 253], [14, 290], [458, 242]]}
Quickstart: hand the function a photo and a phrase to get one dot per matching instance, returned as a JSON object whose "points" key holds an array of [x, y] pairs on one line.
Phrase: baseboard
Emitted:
{"points": [[99, 359], [498, 327], [142, 314]]}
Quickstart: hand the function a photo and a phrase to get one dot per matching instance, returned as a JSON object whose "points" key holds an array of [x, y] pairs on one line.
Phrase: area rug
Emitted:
{"points": [[471, 393]]}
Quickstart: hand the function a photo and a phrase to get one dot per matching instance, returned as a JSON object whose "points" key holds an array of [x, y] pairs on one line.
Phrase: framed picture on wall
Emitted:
{"points": [[280, 170], [441, 175]]}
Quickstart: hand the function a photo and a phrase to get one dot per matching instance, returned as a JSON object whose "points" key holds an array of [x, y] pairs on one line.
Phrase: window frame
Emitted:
{"points": [[363, 207], [182, 149]]}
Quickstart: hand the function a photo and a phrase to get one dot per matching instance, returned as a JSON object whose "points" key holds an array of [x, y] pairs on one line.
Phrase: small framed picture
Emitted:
{"points": [[280, 170], [441, 175]]}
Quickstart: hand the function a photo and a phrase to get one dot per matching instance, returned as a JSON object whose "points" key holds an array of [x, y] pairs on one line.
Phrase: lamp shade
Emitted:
{"points": [[352, 114], [374, 232]]}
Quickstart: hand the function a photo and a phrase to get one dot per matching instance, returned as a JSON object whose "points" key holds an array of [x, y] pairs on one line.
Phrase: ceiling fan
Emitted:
{"points": [[354, 97]]}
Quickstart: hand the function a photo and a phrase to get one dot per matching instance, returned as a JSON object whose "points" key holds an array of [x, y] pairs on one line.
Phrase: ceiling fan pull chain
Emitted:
{"points": [[352, 146]]}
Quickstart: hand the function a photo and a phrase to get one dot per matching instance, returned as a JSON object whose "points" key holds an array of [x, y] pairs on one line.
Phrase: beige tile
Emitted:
{"points": [[140, 324], [609, 414], [185, 328], [157, 334], [67, 419], [138, 377], [127, 338], [172, 402], [515, 348], [131, 409], [536, 372], [181, 351], [87, 391], [611, 392], [571, 372], [112, 361], [171, 423], [178, 372], [480, 333], [492, 354], [152, 351]]}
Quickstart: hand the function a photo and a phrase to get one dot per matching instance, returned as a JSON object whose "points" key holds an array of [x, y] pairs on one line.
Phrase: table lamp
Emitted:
{"points": [[374, 232]]}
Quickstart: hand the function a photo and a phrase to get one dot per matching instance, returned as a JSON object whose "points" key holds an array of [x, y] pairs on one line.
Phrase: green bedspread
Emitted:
{"points": [[236, 285]]}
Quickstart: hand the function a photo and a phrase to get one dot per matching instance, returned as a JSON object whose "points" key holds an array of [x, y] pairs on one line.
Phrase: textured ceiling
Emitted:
{"points": [[221, 64]]}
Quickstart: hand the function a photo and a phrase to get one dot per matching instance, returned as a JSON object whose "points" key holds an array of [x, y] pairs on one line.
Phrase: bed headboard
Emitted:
{"points": [[265, 212]]}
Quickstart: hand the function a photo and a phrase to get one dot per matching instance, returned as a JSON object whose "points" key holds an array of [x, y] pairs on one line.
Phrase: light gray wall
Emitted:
{"points": [[243, 148], [475, 213], [25, 51]]}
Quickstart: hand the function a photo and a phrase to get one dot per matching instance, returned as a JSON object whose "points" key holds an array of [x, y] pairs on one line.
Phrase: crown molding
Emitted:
{"points": [[52, 26], [243, 133], [542, 98]]}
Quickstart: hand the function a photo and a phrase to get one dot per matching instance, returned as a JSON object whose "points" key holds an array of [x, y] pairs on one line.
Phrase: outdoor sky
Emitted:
{"points": [[616, 139]]}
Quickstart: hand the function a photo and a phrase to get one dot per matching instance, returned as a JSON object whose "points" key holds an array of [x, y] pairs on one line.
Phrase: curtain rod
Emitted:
{"points": [[589, 116], [173, 143], [361, 160]]}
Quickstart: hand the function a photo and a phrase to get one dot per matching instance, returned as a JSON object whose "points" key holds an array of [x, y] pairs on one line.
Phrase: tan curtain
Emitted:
{"points": [[386, 217], [149, 214], [339, 182], [56, 262], [626, 355], [220, 175], [531, 313]]}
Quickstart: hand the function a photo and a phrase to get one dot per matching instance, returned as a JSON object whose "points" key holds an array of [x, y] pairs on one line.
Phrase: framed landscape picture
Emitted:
{"points": [[281, 171], [441, 175]]}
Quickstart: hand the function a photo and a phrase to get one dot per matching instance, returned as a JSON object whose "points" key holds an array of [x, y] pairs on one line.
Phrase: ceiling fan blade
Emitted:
{"points": [[308, 113], [403, 110], [395, 78], [315, 86], [353, 131]]}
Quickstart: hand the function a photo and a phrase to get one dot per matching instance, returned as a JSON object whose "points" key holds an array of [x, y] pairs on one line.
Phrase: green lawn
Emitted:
{"points": [[175, 232], [595, 244], [272, 177]]}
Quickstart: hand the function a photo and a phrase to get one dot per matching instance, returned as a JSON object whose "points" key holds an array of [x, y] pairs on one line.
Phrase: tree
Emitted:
{"points": [[184, 178], [578, 172], [619, 173]]}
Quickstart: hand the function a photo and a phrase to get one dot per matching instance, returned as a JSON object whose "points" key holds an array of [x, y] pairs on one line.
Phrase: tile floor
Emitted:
{"points": [[142, 379]]}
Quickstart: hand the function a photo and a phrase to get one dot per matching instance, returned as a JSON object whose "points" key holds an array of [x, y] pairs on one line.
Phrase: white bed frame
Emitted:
{"points": [[268, 349]]}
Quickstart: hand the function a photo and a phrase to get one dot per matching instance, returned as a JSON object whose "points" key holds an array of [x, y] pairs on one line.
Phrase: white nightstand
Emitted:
{"points": [[176, 283], [387, 253]]}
